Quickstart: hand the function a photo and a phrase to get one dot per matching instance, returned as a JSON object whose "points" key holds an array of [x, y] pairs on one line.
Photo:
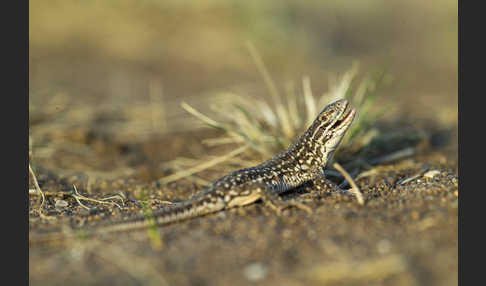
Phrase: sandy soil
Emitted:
{"points": [[106, 83]]}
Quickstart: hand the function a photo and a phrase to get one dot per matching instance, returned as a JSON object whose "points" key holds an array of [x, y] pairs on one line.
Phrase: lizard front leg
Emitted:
{"points": [[276, 203], [319, 186], [323, 185]]}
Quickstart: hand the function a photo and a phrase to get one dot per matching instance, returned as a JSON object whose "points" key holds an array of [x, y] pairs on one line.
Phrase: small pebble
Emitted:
{"points": [[415, 215], [431, 173], [61, 204], [221, 215], [384, 246], [255, 271]]}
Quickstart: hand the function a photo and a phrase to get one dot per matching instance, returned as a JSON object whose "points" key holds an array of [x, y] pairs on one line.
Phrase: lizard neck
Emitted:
{"points": [[307, 154]]}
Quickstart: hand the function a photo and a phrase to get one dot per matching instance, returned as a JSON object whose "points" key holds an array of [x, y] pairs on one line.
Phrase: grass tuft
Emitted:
{"points": [[268, 127]]}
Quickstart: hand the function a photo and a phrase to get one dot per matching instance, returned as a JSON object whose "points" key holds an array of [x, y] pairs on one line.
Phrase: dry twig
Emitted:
{"points": [[37, 187], [77, 196], [354, 188]]}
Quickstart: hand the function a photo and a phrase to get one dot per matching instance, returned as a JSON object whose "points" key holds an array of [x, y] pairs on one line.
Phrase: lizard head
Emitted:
{"points": [[329, 128]]}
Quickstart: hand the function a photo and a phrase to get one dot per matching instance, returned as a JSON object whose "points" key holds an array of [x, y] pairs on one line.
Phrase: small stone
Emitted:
{"points": [[255, 271], [61, 204], [431, 173], [415, 215], [221, 215], [384, 246]]}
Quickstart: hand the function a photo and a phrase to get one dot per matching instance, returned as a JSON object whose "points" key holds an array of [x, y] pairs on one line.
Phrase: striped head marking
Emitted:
{"points": [[328, 129]]}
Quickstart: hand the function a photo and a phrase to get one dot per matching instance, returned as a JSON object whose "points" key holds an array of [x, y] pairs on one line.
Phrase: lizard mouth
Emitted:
{"points": [[345, 118]]}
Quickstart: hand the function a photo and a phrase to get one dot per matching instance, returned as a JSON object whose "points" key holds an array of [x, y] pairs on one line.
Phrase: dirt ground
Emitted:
{"points": [[405, 234], [105, 117]]}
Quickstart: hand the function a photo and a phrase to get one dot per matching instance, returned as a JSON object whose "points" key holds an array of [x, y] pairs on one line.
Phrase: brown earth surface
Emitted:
{"points": [[405, 234], [105, 116]]}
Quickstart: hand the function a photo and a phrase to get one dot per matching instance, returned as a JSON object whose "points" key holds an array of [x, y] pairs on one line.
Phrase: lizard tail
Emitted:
{"points": [[185, 210]]}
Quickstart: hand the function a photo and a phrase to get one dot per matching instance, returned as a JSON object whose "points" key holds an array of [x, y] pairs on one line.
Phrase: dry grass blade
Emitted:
{"points": [[78, 197], [245, 135], [37, 187], [203, 117], [341, 87], [272, 88], [198, 180], [354, 188], [310, 103], [221, 141], [285, 124], [292, 105], [202, 167], [267, 113]]}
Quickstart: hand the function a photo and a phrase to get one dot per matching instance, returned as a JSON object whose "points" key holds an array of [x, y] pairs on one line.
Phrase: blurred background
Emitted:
{"points": [[124, 67]]}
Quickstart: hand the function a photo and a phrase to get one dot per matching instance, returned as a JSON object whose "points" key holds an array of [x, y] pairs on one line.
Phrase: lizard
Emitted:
{"points": [[301, 163]]}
